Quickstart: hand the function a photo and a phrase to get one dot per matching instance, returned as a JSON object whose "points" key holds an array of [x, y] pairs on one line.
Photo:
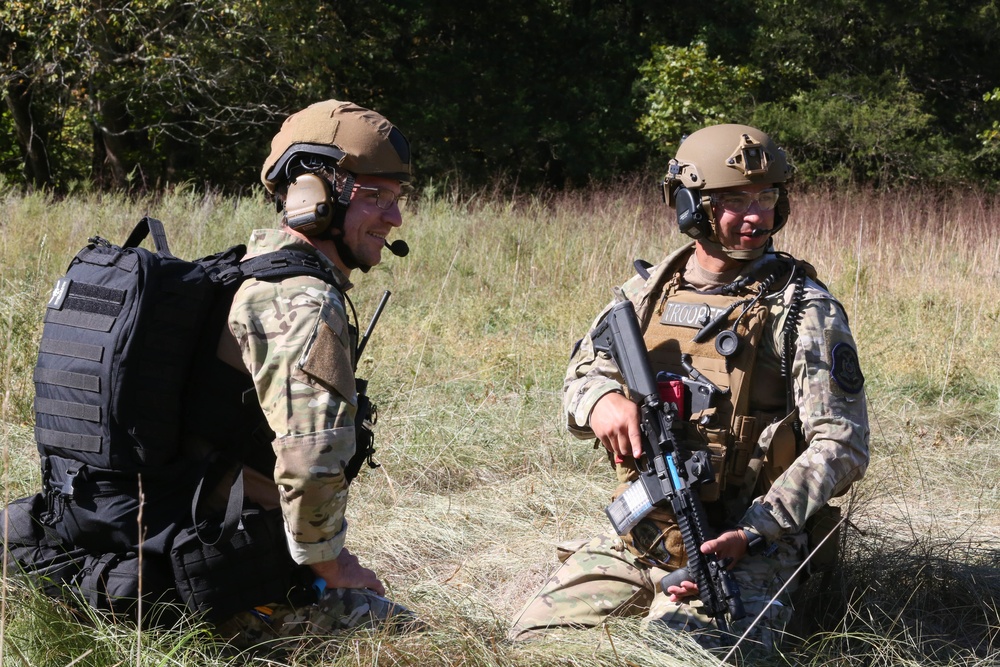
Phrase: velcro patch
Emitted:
{"points": [[329, 362], [845, 369]]}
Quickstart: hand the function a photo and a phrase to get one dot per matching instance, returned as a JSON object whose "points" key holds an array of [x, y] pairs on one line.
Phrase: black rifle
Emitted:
{"points": [[668, 475]]}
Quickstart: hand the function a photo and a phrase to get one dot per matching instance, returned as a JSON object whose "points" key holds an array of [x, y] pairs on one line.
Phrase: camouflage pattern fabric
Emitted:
{"points": [[602, 579], [830, 401], [338, 610], [295, 341]]}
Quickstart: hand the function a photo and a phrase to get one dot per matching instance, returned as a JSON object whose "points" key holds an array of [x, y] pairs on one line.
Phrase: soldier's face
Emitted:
{"points": [[366, 224], [745, 230]]}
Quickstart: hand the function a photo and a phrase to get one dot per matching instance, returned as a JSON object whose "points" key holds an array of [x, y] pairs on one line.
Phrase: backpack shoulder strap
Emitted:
{"points": [[231, 519], [284, 263]]}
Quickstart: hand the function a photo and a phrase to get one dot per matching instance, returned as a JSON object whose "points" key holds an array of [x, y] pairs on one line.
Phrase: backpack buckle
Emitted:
{"points": [[67, 486]]}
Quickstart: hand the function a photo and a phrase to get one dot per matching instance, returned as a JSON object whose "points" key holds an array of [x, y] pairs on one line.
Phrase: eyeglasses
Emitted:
{"points": [[739, 202], [384, 197]]}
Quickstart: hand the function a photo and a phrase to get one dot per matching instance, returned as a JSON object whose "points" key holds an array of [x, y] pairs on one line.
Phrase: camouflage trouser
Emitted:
{"points": [[337, 610], [601, 579]]}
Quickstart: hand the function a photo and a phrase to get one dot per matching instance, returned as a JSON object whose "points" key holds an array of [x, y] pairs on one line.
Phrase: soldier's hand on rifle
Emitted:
{"points": [[615, 422], [686, 590], [731, 546]]}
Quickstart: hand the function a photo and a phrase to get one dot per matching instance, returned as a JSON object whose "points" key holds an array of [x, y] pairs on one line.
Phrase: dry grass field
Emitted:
{"points": [[479, 481]]}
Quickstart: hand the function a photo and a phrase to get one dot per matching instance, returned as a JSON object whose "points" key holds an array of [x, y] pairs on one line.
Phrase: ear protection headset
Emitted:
{"points": [[311, 204], [694, 213], [308, 205]]}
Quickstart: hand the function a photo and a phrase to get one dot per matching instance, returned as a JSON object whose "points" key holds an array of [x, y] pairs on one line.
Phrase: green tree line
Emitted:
{"points": [[137, 94]]}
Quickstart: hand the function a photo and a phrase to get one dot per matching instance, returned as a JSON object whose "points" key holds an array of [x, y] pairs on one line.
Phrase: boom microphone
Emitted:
{"points": [[397, 247]]}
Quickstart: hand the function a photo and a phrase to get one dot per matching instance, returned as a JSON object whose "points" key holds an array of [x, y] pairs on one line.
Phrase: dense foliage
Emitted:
{"points": [[137, 94]]}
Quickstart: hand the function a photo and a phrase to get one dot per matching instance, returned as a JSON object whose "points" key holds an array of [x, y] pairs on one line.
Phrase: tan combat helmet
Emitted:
{"points": [[720, 157], [325, 147], [355, 139]]}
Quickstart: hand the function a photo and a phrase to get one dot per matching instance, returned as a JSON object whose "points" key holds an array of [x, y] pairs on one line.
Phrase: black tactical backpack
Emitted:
{"points": [[127, 373]]}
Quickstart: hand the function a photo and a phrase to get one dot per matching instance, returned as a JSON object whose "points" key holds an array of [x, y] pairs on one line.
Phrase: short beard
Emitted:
{"points": [[347, 255]]}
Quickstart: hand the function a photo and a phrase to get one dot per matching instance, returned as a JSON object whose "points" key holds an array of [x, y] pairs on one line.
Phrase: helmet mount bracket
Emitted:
{"points": [[750, 157]]}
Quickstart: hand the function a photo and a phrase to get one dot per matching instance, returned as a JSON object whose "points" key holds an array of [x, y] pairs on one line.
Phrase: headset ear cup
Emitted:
{"points": [[781, 211], [308, 205], [692, 218]]}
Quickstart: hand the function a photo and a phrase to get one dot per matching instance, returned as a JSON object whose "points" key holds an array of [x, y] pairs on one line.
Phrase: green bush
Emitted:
{"points": [[851, 130], [683, 89]]}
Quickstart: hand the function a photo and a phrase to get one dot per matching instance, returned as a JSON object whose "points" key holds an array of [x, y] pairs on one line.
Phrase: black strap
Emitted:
{"points": [[72, 441], [278, 264], [83, 381], [642, 267], [80, 319], [94, 583], [145, 227], [67, 348], [50, 406], [284, 263], [234, 509]]}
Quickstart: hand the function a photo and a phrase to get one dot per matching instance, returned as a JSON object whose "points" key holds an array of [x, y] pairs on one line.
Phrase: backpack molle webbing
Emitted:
{"points": [[123, 329], [120, 328]]}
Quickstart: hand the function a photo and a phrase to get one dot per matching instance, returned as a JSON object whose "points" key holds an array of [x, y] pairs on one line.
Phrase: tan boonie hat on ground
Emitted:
{"points": [[356, 139]]}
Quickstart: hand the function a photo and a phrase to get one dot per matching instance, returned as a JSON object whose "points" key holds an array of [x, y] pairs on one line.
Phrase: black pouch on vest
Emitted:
{"points": [[250, 568]]}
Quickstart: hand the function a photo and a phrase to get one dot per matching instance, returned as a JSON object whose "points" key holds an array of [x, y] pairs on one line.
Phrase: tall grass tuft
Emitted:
{"points": [[478, 479]]}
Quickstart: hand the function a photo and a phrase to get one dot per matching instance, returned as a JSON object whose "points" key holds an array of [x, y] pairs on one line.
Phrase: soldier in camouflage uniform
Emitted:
{"points": [[337, 172], [787, 430]]}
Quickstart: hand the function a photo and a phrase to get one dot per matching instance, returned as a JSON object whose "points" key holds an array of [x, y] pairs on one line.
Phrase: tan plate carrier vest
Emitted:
{"points": [[732, 427]]}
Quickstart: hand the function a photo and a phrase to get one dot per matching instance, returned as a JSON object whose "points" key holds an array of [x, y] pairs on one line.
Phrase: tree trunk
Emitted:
{"points": [[31, 136], [110, 147]]}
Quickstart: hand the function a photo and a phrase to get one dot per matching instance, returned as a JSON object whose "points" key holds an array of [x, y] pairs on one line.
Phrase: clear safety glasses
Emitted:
{"points": [[384, 197], [739, 202]]}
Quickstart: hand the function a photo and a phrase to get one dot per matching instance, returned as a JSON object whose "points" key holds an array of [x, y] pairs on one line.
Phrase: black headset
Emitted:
{"points": [[694, 212], [693, 218]]}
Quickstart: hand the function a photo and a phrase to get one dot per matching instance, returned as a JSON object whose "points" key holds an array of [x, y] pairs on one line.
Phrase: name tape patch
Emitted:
{"points": [[693, 315]]}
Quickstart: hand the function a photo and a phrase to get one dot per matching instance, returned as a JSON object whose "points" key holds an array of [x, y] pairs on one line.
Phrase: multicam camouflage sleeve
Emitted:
{"points": [[590, 375], [295, 342], [589, 378], [829, 394]]}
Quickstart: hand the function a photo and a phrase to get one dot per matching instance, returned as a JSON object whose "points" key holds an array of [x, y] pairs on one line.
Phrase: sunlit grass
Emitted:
{"points": [[479, 481]]}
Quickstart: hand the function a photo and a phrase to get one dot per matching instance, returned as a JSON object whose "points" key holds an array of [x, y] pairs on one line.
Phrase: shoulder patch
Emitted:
{"points": [[328, 361], [845, 369]]}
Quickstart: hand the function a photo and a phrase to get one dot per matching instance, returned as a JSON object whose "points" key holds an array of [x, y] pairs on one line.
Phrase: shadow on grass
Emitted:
{"points": [[927, 601]]}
